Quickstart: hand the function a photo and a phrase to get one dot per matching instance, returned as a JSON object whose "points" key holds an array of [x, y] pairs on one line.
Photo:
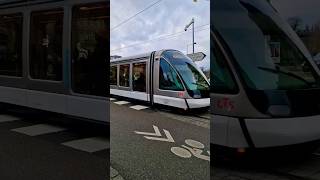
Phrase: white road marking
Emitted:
{"points": [[197, 153], [38, 129], [167, 139], [122, 102], [157, 133], [181, 152], [112, 99], [139, 107], [196, 150], [195, 144], [90, 145], [8, 118]]}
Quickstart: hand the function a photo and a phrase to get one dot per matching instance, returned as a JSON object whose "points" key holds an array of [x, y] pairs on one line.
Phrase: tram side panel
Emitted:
{"points": [[132, 80]]}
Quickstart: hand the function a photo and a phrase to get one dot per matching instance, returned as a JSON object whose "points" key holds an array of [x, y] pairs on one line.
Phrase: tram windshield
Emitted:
{"points": [[191, 75], [270, 55]]}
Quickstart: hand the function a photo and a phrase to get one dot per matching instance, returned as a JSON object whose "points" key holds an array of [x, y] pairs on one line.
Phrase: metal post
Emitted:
{"points": [[193, 36], [186, 28]]}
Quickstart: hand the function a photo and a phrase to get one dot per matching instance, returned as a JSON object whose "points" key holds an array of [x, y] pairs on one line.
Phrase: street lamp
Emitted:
{"points": [[186, 28]]}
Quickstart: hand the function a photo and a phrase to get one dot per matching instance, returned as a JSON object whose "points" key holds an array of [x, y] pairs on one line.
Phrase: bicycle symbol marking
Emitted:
{"points": [[192, 147], [196, 150]]}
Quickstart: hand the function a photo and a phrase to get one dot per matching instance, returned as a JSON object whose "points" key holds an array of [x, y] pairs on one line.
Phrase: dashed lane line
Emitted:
{"points": [[135, 107], [8, 118], [202, 120], [139, 107], [38, 129], [90, 145], [122, 102]]}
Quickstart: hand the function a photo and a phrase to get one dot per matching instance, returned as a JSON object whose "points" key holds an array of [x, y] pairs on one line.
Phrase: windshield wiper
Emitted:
{"points": [[278, 70]]}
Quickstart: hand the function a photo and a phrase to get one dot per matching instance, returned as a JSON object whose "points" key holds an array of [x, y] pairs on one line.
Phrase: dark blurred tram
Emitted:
{"points": [[54, 54]]}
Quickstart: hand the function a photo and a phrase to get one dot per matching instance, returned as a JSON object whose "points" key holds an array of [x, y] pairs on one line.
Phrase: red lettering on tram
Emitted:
{"points": [[225, 103]]}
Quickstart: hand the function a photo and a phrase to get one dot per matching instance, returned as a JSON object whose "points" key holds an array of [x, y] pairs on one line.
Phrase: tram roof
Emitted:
{"points": [[17, 3], [132, 58], [4, 2], [26, 2], [138, 57]]}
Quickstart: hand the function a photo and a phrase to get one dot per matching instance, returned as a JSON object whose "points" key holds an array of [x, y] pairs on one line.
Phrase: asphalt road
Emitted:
{"points": [[152, 144], [40, 146]]}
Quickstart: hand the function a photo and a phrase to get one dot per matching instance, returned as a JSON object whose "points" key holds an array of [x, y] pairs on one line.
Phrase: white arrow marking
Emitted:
{"points": [[157, 133], [167, 139]]}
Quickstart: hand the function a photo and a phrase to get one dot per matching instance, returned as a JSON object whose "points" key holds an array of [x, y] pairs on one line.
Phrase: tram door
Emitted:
{"points": [[153, 76]]}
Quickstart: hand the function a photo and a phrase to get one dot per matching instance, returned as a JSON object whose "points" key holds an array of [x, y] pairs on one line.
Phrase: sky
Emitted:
{"points": [[307, 10], [167, 17]]}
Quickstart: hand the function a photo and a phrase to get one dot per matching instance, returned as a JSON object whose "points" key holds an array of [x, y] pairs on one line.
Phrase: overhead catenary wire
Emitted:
{"points": [[158, 39], [162, 37], [133, 16]]}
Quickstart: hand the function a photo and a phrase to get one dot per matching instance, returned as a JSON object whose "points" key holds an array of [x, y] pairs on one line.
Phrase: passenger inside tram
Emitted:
{"points": [[139, 77], [90, 44]]}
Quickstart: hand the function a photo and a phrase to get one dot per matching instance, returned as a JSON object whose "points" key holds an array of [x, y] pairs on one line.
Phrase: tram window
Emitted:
{"points": [[221, 76], [139, 77], [168, 78], [124, 75], [90, 49], [113, 75], [11, 45], [46, 45]]}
